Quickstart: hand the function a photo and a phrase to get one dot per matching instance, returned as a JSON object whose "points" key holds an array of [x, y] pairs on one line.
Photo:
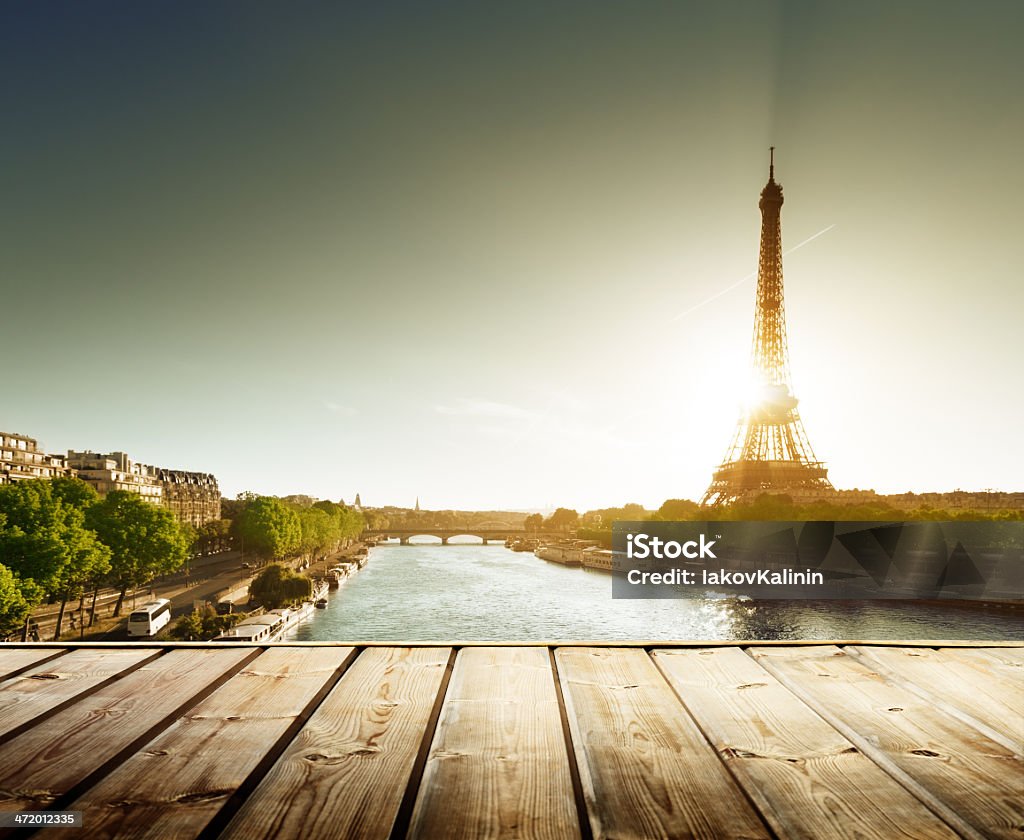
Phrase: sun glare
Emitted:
{"points": [[765, 400]]}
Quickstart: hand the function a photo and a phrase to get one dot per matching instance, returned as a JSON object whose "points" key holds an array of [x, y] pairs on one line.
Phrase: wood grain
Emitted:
{"points": [[806, 778], [345, 773], [1007, 662], [498, 766], [45, 762], [973, 782], [175, 785], [632, 643], [781, 722], [36, 691], [14, 659], [982, 690], [646, 769], [1011, 654]]}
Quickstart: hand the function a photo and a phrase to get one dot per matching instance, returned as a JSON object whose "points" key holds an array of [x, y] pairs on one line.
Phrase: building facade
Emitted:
{"points": [[116, 471], [21, 458], [194, 498]]}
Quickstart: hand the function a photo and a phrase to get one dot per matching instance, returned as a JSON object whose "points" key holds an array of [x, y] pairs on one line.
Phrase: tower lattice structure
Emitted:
{"points": [[770, 451]]}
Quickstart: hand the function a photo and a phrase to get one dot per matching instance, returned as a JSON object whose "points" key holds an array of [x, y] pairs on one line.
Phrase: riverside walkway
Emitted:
{"points": [[751, 740]]}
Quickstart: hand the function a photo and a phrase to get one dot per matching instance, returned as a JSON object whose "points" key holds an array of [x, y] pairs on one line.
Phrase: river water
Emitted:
{"points": [[470, 592]]}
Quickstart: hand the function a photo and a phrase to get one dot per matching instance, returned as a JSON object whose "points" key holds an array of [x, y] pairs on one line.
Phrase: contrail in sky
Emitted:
{"points": [[750, 276]]}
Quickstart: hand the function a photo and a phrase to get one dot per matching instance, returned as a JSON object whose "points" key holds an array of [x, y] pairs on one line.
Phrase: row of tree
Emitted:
{"points": [[273, 529], [60, 541], [563, 519], [596, 524], [778, 507]]}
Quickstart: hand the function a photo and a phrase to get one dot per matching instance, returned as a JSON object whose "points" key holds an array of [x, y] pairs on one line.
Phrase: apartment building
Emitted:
{"points": [[22, 458], [191, 496]]}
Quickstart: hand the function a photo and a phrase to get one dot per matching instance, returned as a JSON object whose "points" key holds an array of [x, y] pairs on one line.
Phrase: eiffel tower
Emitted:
{"points": [[770, 452]]}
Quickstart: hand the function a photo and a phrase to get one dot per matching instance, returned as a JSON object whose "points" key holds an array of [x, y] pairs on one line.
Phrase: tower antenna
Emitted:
{"points": [[771, 166]]}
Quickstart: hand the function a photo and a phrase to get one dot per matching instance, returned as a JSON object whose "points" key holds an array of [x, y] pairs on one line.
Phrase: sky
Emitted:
{"points": [[489, 254]]}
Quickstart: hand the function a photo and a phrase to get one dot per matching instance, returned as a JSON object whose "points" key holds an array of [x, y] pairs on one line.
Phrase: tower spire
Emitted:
{"points": [[770, 451]]}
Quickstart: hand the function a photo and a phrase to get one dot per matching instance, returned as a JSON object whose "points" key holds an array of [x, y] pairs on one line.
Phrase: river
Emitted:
{"points": [[471, 592]]}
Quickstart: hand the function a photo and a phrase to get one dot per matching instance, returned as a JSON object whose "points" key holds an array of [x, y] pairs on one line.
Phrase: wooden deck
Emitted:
{"points": [[757, 740]]}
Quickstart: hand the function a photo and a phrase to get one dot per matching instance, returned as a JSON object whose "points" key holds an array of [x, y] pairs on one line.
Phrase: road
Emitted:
{"points": [[206, 579], [202, 579]]}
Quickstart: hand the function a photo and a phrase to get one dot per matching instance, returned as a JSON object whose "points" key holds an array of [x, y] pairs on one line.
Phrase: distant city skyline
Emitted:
{"points": [[443, 251]]}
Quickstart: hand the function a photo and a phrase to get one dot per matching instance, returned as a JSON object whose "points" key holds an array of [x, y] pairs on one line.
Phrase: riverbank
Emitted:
{"points": [[346, 554], [213, 580]]}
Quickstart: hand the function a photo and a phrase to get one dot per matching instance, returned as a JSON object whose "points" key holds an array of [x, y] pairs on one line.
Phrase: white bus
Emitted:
{"points": [[150, 618]]}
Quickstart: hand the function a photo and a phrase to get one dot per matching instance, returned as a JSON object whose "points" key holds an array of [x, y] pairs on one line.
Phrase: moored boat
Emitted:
{"points": [[561, 552], [566, 552], [267, 627], [602, 559]]}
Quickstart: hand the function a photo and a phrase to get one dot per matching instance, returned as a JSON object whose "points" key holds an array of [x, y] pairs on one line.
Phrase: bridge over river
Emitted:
{"points": [[486, 535]]}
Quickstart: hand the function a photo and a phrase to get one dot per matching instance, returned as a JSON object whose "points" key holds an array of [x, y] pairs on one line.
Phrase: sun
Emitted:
{"points": [[766, 401]]}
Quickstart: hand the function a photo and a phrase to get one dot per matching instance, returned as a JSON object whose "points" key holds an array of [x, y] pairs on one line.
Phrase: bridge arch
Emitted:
{"points": [[486, 535]]}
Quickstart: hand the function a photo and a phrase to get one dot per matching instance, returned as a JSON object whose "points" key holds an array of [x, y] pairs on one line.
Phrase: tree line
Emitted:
{"points": [[274, 529], [771, 507], [60, 541]]}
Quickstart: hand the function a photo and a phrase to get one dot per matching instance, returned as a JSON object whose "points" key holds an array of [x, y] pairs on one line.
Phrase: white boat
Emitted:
{"points": [[564, 552], [267, 627], [602, 559]]}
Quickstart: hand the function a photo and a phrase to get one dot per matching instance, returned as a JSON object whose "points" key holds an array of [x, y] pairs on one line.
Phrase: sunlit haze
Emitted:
{"points": [[442, 249]]}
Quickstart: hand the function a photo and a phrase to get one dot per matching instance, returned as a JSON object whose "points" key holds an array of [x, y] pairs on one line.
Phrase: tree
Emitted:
{"points": [[353, 523], [534, 522], [277, 586], [44, 541], [269, 528], [678, 510], [203, 624], [328, 507], [144, 540], [321, 530], [562, 519], [14, 606], [74, 492], [375, 520], [78, 494], [214, 535]]}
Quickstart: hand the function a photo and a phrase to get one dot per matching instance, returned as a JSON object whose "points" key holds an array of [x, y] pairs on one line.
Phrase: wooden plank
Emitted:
{"points": [[967, 778], [975, 688], [45, 686], [807, 779], [176, 784], [1013, 654], [1006, 661], [45, 762], [345, 773], [14, 659], [633, 643], [498, 766], [645, 768]]}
